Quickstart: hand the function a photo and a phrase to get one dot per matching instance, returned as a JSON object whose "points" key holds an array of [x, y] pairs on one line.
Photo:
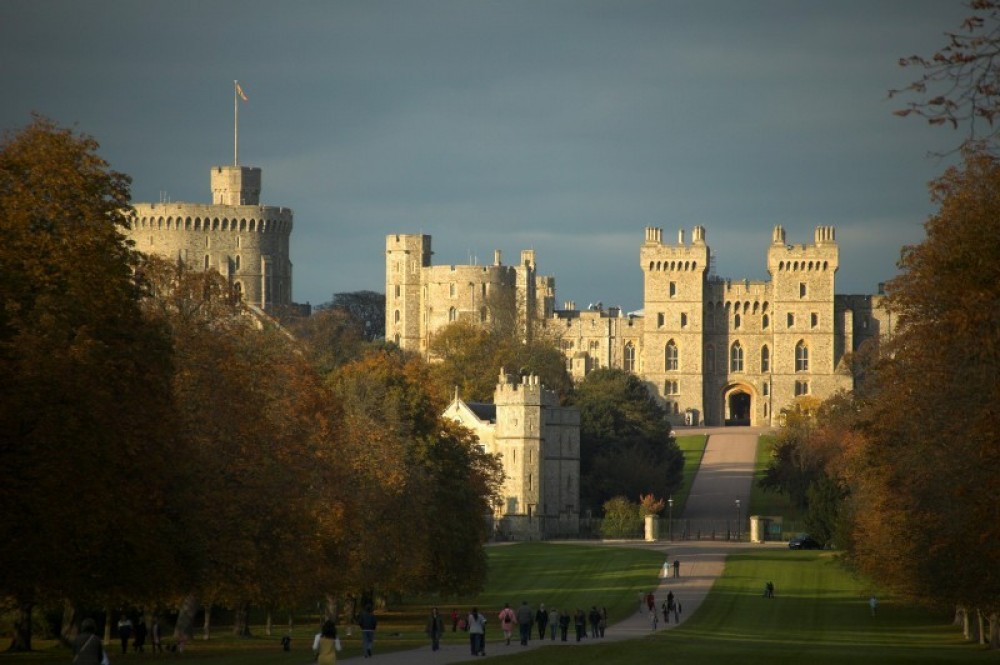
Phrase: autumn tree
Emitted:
{"points": [[364, 309], [924, 484], [425, 486], [626, 443], [960, 83], [86, 408]]}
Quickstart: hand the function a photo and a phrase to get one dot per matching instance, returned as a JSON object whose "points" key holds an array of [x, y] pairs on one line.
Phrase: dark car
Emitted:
{"points": [[804, 542]]}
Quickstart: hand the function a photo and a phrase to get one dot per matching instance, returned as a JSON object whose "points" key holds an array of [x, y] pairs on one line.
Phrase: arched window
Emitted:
{"points": [[736, 321], [736, 357], [629, 364], [670, 362], [452, 313], [395, 316], [765, 321], [238, 261], [801, 357], [765, 359]]}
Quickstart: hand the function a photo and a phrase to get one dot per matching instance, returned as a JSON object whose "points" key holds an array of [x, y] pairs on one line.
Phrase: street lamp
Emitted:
{"points": [[737, 519], [670, 521]]}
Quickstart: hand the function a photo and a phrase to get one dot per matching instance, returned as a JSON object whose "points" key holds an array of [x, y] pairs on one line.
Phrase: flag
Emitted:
{"points": [[239, 91]]}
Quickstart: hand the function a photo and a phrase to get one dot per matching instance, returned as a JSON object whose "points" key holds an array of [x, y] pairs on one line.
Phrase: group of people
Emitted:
{"points": [[87, 646], [670, 606], [524, 619]]}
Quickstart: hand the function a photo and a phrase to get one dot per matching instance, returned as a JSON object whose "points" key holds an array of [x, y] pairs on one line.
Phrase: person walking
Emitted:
{"points": [[454, 619], [564, 625], [139, 642], [553, 622], [604, 620], [524, 618], [87, 647], [368, 623], [325, 645], [435, 628], [541, 620], [507, 620], [580, 623], [677, 568], [477, 632], [594, 617], [154, 636], [124, 632]]}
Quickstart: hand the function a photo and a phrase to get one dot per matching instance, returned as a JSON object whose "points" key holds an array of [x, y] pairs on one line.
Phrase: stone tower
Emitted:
{"points": [[405, 257], [244, 241], [674, 294]]}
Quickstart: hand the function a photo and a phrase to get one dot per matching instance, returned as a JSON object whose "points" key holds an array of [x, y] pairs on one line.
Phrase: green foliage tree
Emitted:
{"points": [[622, 518], [76, 357], [626, 443], [924, 482]]}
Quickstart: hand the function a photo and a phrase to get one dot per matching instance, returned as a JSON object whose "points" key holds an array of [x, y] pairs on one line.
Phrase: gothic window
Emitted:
{"points": [[791, 320], [673, 289], [801, 357], [765, 321], [684, 320], [629, 364], [736, 358], [238, 261], [659, 320], [709, 358], [801, 388], [765, 359], [813, 320], [397, 290], [765, 388], [670, 361], [736, 321], [802, 289], [671, 388], [452, 313]]}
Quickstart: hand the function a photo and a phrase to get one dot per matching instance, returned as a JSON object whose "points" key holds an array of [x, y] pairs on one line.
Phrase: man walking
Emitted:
{"points": [[524, 619]]}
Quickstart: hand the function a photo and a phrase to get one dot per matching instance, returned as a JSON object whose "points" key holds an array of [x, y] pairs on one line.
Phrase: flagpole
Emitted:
{"points": [[236, 125]]}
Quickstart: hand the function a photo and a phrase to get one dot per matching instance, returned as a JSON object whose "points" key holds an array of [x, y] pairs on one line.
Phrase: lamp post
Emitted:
{"points": [[737, 519], [670, 520]]}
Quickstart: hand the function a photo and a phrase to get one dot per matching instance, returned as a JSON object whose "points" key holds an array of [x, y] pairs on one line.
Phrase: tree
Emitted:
{"points": [[961, 81], [365, 310], [626, 443], [924, 485], [86, 409], [621, 518]]}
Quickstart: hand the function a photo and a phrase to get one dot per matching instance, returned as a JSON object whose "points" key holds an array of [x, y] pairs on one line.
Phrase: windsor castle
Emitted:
{"points": [[713, 351]]}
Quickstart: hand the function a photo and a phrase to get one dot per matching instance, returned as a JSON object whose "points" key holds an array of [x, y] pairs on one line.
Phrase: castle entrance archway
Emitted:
{"points": [[738, 405]]}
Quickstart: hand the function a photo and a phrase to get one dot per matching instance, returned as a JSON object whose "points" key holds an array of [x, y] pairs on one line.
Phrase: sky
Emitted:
{"points": [[562, 126]]}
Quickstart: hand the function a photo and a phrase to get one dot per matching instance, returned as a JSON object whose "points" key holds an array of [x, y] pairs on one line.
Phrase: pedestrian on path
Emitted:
{"points": [[367, 622], [553, 622], [564, 625], [477, 632], [435, 628], [524, 619], [677, 568], [507, 620], [541, 620], [580, 623]]}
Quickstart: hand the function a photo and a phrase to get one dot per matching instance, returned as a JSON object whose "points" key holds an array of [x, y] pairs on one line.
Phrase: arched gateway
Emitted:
{"points": [[738, 402]]}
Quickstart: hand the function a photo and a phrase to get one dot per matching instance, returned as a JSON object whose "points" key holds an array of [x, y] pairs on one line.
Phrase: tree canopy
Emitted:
{"points": [[626, 444]]}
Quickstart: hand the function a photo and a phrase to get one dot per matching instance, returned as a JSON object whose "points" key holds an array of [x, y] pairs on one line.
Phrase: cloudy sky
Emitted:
{"points": [[562, 126]]}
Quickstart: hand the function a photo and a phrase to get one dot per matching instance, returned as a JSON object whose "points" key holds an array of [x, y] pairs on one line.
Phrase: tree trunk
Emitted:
{"points": [[22, 627], [185, 618], [966, 624], [241, 624], [982, 626], [70, 623], [206, 626], [267, 623]]}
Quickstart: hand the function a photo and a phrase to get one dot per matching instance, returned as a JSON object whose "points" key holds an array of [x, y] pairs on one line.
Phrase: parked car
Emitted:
{"points": [[804, 541]]}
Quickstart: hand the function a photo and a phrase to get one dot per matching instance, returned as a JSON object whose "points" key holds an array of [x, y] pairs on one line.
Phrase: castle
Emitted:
{"points": [[714, 351], [538, 445], [245, 241]]}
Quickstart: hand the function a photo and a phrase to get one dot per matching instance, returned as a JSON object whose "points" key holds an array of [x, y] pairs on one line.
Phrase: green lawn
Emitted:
{"points": [[819, 615], [693, 447]]}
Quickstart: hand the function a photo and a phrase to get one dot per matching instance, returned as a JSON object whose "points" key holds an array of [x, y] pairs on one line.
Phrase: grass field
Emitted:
{"points": [[818, 616]]}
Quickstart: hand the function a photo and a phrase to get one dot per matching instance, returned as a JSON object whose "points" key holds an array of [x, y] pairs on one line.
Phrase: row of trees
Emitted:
{"points": [[165, 449], [902, 474]]}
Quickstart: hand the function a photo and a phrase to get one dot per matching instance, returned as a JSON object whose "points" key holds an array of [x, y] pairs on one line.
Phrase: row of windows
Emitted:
{"points": [[672, 265], [671, 357], [672, 389], [803, 265], [215, 224], [737, 320]]}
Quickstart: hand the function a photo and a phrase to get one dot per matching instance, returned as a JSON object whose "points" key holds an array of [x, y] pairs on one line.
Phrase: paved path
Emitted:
{"points": [[725, 474]]}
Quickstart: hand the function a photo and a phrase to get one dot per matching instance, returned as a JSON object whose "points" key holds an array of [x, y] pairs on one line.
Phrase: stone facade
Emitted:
{"points": [[538, 445], [712, 350], [244, 241]]}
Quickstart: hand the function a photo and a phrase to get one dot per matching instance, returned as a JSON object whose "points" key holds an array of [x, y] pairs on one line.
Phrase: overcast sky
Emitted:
{"points": [[566, 127]]}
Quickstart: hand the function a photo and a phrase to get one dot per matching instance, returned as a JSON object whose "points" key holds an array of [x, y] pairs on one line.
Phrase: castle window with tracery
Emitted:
{"points": [[801, 357], [629, 360], [670, 357], [765, 359], [736, 358]]}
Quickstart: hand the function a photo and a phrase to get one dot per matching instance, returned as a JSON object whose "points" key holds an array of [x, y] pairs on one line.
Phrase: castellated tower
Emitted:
{"points": [[422, 298], [674, 277], [244, 241], [805, 326]]}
